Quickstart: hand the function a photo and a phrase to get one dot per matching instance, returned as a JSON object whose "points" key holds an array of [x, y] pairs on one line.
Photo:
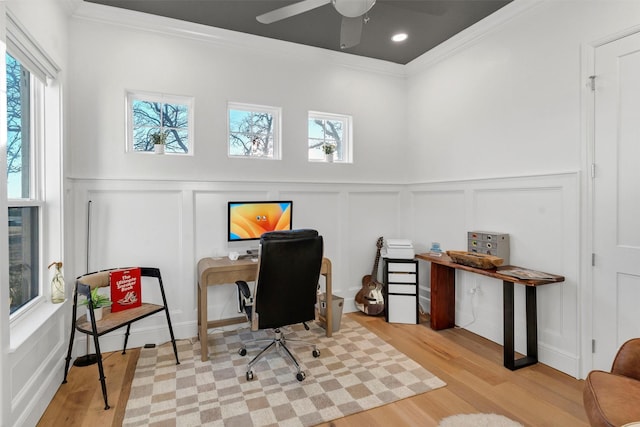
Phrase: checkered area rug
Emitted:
{"points": [[356, 371]]}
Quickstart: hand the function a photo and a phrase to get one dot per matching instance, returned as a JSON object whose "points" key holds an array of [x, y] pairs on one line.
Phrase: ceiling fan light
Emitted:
{"points": [[353, 8], [400, 37]]}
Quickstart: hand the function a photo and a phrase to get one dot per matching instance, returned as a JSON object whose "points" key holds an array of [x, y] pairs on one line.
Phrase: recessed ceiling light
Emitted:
{"points": [[400, 37]]}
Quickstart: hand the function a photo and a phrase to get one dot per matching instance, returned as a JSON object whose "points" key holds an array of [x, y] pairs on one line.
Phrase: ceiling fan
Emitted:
{"points": [[352, 12]]}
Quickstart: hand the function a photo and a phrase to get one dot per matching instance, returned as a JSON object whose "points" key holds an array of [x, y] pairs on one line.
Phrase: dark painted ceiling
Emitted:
{"points": [[427, 22]]}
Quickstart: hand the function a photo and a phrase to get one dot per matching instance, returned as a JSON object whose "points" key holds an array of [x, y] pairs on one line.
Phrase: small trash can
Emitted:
{"points": [[336, 310]]}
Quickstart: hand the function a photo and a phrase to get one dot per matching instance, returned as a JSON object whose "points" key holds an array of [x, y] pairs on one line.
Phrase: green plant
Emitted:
{"points": [[97, 299], [158, 138], [328, 148]]}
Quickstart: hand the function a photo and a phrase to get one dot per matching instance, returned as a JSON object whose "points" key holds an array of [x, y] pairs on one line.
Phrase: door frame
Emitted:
{"points": [[587, 119]]}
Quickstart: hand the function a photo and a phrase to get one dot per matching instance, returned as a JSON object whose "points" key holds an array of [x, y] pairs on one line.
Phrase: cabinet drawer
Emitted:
{"points": [[401, 278], [402, 309], [402, 289], [402, 267]]}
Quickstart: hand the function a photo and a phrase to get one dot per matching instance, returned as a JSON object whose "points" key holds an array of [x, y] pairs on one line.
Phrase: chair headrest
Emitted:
{"points": [[303, 233]]}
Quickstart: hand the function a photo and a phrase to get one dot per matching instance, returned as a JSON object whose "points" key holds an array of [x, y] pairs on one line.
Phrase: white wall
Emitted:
{"points": [[486, 135], [541, 216], [170, 211], [505, 106], [33, 360], [111, 59], [509, 103], [189, 223]]}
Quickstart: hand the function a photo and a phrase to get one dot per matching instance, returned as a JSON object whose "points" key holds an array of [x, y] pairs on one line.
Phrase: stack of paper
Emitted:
{"points": [[398, 249]]}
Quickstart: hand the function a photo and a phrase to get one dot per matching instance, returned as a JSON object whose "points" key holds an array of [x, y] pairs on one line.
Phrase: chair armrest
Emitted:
{"points": [[243, 287], [245, 301], [627, 361]]}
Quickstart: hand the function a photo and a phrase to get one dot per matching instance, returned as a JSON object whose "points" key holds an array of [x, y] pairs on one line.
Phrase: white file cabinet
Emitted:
{"points": [[401, 290]]}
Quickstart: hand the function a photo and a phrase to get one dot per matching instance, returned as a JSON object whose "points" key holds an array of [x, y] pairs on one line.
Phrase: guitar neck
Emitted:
{"points": [[374, 272]]}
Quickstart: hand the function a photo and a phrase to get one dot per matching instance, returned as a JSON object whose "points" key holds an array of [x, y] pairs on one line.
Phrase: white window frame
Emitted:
{"points": [[132, 96], [36, 186], [46, 140], [347, 134], [275, 112]]}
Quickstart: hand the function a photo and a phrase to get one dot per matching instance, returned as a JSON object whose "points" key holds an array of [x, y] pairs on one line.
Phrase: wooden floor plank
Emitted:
{"points": [[79, 402], [470, 365]]}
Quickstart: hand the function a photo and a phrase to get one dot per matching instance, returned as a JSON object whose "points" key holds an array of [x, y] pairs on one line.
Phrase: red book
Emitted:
{"points": [[126, 289]]}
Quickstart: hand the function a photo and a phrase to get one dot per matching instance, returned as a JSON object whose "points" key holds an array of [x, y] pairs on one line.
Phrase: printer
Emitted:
{"points": [[398, 249]]}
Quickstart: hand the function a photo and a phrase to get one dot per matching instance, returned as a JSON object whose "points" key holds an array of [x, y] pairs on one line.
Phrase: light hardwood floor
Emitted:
{"points": [[470, 365]]}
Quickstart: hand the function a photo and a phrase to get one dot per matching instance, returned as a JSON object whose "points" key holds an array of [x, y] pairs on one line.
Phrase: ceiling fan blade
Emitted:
{"points": [[350, 32], [290, 10], [353, 8]]}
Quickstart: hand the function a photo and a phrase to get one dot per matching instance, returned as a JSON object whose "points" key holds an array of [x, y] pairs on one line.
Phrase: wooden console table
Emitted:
{"points": [[220, 271], [443, 303]]}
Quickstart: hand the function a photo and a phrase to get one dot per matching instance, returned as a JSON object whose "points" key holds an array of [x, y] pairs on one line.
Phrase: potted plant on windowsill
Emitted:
{"points": [[99, 302], [159, 140], [328, 150]]}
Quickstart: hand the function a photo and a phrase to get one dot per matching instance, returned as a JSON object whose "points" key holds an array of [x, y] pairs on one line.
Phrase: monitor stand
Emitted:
{"points": [[252, 252]]}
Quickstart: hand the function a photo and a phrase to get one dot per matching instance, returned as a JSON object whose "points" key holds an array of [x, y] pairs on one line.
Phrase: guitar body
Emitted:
{"points": [[370, 299]]}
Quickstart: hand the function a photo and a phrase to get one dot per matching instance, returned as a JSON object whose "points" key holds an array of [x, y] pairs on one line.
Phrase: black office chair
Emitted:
{"points": [[285, 290]]}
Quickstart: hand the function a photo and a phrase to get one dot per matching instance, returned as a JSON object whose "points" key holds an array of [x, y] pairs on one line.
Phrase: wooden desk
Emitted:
{"points": [[443, 303], [220, 271]]}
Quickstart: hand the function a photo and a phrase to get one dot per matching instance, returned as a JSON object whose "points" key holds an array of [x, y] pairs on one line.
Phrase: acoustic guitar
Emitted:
{"points": [[370, 299]]}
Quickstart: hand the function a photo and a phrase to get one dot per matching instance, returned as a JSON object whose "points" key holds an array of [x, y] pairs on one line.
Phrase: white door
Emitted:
{"points": [[616, 198]]}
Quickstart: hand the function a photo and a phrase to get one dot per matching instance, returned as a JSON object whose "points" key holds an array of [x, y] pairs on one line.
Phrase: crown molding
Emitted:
{"points": [[70, 5], [471, 35], [140, 21], [230, 39]]}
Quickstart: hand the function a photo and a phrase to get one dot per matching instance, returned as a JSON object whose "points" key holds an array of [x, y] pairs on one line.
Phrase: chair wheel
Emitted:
{"points": [[316, 353], [242, 352], [249, 375], [300, 376]]}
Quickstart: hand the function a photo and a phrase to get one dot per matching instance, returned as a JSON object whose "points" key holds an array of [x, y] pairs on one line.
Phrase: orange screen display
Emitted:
{"points": [[249, 220]]}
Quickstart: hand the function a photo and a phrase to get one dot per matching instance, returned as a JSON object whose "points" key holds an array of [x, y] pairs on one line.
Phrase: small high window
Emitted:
{"points": [[329, 132], [156, 113], [254, 131]]}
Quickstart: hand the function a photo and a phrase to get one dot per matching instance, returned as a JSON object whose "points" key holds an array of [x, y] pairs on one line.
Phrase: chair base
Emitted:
{"points": [[86, 360], [278, 342]]}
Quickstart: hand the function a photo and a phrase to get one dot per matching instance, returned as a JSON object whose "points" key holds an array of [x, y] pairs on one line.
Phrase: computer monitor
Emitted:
{"points": [[249, 220]]}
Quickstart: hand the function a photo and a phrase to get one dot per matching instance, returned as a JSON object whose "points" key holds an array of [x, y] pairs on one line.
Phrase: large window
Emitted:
{"points": [[24, 106], [254, 131], [329, 132], [156, 113]]}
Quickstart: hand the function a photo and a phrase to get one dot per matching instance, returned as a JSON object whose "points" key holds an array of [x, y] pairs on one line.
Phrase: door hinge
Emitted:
{"points": [[592, 83], [593, 346], [593, 170], [593, 259]]}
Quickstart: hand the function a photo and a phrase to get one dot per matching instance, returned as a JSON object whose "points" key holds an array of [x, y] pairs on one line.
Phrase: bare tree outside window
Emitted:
{"points": [[331, 129], [23, 224], [17, 129], [153, 117], [252, 131], [325, 132]]}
